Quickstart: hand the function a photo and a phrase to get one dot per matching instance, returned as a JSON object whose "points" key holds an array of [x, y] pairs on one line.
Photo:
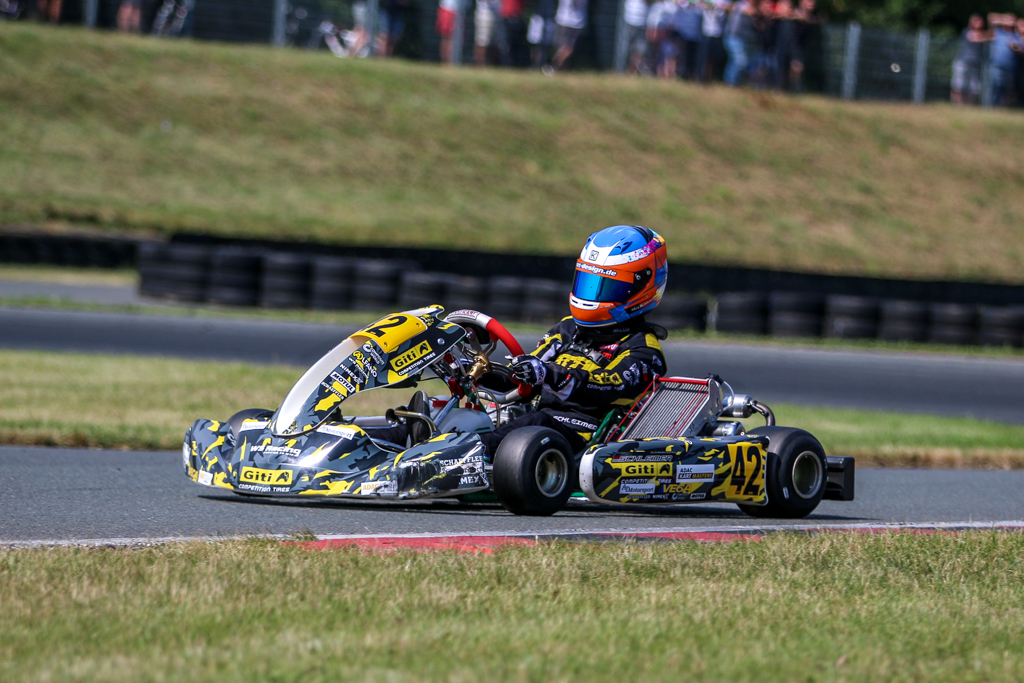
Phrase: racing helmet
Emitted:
{"points": [[620, 274]]}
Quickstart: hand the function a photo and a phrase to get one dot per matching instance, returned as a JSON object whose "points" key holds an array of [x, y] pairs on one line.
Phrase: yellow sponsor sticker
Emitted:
{"points": [[643, 469], [400, 363], [256, 475]]}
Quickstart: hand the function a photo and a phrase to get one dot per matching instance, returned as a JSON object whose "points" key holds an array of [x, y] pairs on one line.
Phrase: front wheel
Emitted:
{"points": [[797, 473], [533, 472]]}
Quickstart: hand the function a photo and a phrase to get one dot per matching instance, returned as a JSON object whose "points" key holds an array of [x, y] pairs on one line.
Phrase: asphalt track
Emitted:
{"points": [[65, 494], [920, 383]]}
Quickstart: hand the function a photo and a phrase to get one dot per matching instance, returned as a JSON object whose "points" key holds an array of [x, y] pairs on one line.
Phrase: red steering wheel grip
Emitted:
{"points": [[495, 329]]}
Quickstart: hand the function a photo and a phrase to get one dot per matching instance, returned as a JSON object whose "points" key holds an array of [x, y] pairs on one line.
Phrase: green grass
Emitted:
{"points": [[843, 607], [129, 133], [146, 403]]}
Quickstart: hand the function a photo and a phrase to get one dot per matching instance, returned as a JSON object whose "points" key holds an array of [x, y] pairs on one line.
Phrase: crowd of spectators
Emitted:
{"points": [[762, 42], [999, 47]]}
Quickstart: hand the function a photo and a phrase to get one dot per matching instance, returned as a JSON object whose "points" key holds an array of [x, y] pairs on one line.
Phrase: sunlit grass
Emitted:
{"points": [[123, 132], [842, 607], [146, 403]]}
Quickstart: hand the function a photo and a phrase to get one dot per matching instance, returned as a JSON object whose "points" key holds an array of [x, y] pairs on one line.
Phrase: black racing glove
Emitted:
{"points": [[528, 370]]}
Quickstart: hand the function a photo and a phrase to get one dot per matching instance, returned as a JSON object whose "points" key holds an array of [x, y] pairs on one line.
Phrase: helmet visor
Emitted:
{"points": [[592, 287]]}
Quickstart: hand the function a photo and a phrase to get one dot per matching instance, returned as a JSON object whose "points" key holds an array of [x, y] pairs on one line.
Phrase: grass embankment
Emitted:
{"points": [[134, 133], [825, 608], [146, 403]]}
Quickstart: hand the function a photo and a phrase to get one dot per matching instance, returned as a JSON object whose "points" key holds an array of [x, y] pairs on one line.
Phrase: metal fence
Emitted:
{"points": [[847, 61]]}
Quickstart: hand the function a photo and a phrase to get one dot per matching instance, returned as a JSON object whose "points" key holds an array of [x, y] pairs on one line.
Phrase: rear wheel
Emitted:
{"points": [[533, 472], [796, 474]]}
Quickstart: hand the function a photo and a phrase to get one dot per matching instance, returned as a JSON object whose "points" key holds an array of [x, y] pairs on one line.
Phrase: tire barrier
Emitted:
{"points": [[285, 280], [81, 251], [235, 277], [795, 314], [742, 313], [850, 317], [245, 277], [330, 286], [679, 312], [545, 301], [952, 324], [901, 320], [1001, 326]]}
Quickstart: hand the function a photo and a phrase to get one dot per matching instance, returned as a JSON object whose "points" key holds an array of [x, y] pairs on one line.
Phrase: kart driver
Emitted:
{"points": [[602, 356]]}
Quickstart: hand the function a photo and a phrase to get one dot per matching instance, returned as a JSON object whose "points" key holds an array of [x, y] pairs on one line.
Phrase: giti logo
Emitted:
{"points": [[411, 356], [254, 475], [643, 469]]}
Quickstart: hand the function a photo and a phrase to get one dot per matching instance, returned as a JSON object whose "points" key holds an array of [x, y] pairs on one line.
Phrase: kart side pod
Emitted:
{"points": [[728, 469]]}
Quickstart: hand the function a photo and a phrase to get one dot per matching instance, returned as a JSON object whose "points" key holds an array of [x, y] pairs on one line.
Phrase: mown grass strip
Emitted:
{"points": [[134, 402], [844, 607], [124, 132]]}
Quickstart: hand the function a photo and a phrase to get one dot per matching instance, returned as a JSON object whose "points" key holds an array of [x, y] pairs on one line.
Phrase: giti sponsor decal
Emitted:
{"points": [[255, 475], [644, 469], [694, 473], [403, 361]]}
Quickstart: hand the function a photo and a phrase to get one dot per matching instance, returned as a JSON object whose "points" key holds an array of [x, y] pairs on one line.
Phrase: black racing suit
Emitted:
{"points": [[590, 371]]}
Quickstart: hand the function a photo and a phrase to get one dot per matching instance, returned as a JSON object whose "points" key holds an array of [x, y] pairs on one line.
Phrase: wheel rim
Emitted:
{"points": [[551, 473], [807, 474]]}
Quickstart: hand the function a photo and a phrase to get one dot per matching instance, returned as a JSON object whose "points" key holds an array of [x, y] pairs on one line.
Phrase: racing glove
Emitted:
{"points": [[528, 370]]}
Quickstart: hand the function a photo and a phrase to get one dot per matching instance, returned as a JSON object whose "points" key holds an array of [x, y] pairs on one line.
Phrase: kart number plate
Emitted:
{"points": [[391, 331], [256, 475]]}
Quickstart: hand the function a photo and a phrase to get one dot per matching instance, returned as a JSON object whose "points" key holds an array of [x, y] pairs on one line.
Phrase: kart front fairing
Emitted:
{"points": [[333, 460], [304, 449]]}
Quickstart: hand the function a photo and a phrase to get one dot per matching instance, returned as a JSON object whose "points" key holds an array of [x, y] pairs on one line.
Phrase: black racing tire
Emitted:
{"points": [[464, 293], [236, 420], [796, 476], [534, 472], [849, 327], [844, 306]]}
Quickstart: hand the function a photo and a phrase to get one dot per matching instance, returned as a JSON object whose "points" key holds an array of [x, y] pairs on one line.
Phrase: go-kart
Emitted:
{"points": [[680, 442]]}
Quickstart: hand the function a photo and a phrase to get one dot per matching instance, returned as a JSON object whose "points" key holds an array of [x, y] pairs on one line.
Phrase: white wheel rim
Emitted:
{"points": [[551, 473], [807, 474]]}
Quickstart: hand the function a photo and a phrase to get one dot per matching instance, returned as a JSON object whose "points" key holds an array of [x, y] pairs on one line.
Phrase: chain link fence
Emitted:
{"points": [[847, 61]]}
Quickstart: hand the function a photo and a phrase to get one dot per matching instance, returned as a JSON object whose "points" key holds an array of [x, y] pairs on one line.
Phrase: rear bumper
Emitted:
{"points": [[841, 471]]}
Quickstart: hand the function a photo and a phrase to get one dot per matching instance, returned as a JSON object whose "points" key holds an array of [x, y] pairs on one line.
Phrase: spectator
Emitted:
{"points": [[1018, 73], [392, 25], [807, 36], [541, 32], [712, 51], [968, 61], [445, 27], [635, 15], [739, 29], [660, 20], [49, 10], [129, 16], [484, 19], [512, 38], [785, 42], [570, 20], [688, 20], [1001, 57], [763, 67]]}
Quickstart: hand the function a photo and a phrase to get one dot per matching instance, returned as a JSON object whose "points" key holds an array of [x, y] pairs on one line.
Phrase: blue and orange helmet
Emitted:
{"points": [[620, 274]]}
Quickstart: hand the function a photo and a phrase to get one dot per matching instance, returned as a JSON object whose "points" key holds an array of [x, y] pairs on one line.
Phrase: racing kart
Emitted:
{"points": [[681, 442]]}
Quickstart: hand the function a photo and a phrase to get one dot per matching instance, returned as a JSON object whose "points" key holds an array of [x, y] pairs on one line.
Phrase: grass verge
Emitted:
{"points": [[124, 132], [843, 607], [146, 403]]}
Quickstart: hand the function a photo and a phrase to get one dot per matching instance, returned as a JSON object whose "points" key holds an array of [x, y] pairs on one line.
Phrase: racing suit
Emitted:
{"points": [[590, 371]]}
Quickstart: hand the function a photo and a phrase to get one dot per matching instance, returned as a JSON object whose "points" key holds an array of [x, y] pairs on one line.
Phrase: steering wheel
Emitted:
{"points": [[485, 328]]}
